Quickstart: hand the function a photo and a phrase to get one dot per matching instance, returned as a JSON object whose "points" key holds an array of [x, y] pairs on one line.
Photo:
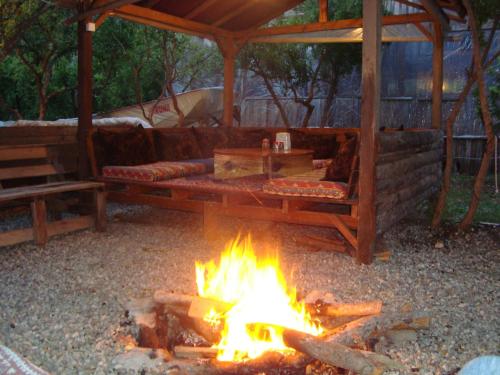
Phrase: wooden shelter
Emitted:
{"points": [[232, 24]]}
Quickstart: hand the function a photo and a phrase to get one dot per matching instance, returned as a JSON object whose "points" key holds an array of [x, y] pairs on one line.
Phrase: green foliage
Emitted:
{"points": [[48, 48], [459, 198], [292, 67], [485, 10], [41, 68], [15, 16]]}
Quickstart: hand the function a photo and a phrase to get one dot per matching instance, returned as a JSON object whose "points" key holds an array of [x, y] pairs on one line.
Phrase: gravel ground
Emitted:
{"points": [[61, 306]]}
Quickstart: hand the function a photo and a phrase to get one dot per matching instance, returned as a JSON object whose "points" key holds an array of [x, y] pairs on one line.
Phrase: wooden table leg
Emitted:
{"points": [[39, 216], [100, 214]]}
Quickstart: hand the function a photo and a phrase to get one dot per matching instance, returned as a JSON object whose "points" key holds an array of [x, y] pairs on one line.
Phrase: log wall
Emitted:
{"points": [[409, 168], [26, 135]]}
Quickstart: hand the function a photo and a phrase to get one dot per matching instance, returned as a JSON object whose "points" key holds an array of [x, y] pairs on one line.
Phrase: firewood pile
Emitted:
{"points": [[173, 325]]}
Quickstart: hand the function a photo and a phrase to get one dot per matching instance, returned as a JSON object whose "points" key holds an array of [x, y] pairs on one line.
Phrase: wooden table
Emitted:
{"points": [[240, 162]]}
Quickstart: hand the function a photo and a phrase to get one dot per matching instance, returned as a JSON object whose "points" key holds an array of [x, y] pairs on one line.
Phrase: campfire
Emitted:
{"points": [[260, 305], [247, 318]]}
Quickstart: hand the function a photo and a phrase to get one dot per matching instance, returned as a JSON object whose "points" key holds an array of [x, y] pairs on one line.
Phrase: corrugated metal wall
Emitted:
{"points": [[406, 95]]}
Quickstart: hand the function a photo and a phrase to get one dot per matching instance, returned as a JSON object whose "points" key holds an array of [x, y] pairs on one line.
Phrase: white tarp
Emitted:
{"points": [[74, 122], [202, 106]]}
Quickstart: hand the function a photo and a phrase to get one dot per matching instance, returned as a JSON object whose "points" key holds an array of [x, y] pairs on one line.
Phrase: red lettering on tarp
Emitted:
{"points": [[160, 108]]}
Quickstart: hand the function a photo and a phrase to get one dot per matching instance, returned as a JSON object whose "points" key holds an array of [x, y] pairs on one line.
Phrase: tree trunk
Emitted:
{"points": [[487, 120], [175, 103], [450, 121], [325, 117], [276, 100], [310, 110], [438, 211]]}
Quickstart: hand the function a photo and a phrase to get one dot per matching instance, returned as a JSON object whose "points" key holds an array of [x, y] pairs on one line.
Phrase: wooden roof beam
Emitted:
{"points": [[199, 9], [272, 15], [437, 13], [424, 30], [99, 10], [411, 4], [101, 18], [168, 22], [335, 25], [235, 12]]}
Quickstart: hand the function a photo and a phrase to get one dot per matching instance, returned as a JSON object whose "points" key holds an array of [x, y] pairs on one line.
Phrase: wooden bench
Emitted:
{"points": [[35, 174]]}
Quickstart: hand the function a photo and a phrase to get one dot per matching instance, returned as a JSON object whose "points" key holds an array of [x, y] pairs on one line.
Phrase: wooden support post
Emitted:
{"points": [[39, 216], [84, 95], [323, 10], [100, 214], [437, 76], [370, 121], [229, 50]]}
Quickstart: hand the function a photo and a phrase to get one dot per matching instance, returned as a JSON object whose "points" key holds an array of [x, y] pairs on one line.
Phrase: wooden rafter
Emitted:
{"points": [[235, 12], [411, 4], [288, 4], [166, 21], [335, 25], [101, 18], [98, 10], [199, 9], [437, 13], [424, 30]]}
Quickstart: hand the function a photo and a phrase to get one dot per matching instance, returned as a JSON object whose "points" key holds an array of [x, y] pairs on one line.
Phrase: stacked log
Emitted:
{"points": [[408, 172], [165, 324]]}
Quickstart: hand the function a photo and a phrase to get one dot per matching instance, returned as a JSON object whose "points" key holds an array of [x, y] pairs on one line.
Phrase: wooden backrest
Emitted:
{"points": [[39, 160]]}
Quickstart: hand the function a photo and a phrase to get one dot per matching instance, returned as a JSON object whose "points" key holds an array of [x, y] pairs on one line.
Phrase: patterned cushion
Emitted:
{"points": [[307, 185], [162, 170], [13, 364]]}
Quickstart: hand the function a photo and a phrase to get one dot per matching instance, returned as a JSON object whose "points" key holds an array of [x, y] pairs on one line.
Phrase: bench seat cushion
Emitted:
{"points": [[307, 185], [159, 171]]}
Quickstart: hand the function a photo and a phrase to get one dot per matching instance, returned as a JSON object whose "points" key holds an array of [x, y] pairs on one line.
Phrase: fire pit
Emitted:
{"points": [[247, 319]]}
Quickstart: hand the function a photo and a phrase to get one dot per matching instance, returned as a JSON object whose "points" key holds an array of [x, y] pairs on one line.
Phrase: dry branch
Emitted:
{"points": [[351, 309], [338, 355], [360, 330], [194, 352]]}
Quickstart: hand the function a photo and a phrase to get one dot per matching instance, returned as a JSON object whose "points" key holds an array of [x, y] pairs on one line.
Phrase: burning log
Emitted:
{"points": [[194, 352], [201, 307], [348, 309], [361, 362], [269, 363], [190, 310]]}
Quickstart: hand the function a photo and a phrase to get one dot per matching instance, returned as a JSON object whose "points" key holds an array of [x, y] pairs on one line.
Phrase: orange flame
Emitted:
{"points": [[262, 304]]}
